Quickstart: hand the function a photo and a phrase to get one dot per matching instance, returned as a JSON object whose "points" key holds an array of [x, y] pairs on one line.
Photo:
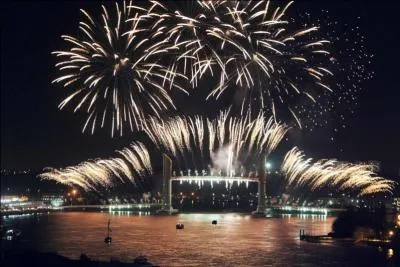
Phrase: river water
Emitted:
{"points": [[237, 239]]}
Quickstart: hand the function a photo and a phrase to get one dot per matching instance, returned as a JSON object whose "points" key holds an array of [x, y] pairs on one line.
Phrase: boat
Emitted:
{"points": [[180, 226], [326, 239], [329, 238], [12, 234], [141, 260], [214, 222], [108, 238]]}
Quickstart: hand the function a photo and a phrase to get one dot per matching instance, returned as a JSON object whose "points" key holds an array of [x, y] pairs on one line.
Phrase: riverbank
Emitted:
{"points": [[34, 258]]}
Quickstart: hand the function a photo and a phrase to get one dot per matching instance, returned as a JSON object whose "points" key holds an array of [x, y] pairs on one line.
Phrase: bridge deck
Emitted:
{"points": [[217, 179], [141, 206]]}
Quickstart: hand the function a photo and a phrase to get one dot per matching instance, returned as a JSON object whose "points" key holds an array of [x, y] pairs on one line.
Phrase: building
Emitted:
{"points": [[53, 200], [15, 203], [396, 203]]}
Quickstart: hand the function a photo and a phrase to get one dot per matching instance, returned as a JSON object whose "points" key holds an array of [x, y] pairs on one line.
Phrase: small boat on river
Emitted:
{"points": [[108, 238]]}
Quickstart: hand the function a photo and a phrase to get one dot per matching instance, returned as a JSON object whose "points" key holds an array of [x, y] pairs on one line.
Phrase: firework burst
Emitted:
{"points": [[101, 173], [300, 171], [195, 142], [250, 45], [114, 67]]}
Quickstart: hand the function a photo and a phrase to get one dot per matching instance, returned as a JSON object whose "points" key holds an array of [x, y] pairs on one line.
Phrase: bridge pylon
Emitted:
{"points": [[167, 188], [261, 210]]}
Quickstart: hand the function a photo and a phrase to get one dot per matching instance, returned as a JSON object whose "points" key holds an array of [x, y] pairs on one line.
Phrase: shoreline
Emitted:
{"points": [[275, 211], [11, 258]]}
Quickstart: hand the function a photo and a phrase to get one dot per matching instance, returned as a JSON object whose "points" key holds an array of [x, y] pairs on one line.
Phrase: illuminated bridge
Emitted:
{"points": [[169, 177], [112, 207], [212, 179]]}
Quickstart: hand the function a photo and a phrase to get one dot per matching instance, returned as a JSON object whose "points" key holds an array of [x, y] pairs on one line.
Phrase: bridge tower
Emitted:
{"points": [[167, 187], [261, 206]]}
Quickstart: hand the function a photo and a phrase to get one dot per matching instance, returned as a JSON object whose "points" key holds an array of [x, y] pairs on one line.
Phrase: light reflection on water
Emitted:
{"points": [[237, 239]]}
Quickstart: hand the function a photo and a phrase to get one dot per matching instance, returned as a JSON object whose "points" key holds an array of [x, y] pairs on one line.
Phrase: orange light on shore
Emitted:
{"points": [[390, 253], [74, 192]]}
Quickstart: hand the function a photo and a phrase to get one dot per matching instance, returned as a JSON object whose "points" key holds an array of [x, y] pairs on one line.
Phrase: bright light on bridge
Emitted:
{"points": [[200, 180], [268, 165]]}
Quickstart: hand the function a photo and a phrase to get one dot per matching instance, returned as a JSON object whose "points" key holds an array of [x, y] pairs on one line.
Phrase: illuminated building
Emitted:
{"points": [[396, 203], [53, 200]]}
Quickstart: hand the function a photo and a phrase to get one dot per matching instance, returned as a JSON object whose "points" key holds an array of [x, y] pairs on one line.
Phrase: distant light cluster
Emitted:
{"points": [[350, 61], [15, 172]]}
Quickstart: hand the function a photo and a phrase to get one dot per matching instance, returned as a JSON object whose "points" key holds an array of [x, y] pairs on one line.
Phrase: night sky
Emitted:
{"points": [[35, 134]]}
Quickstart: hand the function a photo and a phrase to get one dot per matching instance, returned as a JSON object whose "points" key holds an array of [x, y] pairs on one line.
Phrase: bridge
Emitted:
{"points": [[215, 179], [114, 207], [168, 178]]}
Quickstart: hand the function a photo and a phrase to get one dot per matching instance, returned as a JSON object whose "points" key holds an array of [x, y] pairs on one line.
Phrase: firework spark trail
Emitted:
{"points": [[187, 35], [117, 73], [379, 186], [211, 133], [235, 136], [253, 37], [275, 59], [250, 45], [115, 70], [346, 176], [100, 173]]}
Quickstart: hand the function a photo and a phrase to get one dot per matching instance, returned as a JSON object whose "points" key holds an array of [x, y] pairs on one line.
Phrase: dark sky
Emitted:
{"points": [[35, 134]]}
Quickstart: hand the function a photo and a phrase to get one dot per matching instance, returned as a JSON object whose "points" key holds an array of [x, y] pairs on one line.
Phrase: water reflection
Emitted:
{"points": [[319, 217], [130, 213], [237, 239], [390, 253]]}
